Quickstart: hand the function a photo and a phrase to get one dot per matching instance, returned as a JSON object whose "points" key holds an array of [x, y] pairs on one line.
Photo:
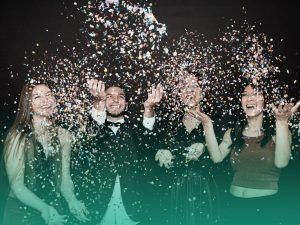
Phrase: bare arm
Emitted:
{"points": [[67, 187], [77, 208], [283, 135], [217, 152], [15, 170]]}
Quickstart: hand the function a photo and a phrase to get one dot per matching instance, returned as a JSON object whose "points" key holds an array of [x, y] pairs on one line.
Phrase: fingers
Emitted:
{"points": [[295, 107], [153, 90], [58, 219], [102, 89], [287, 108], [280, 108], [90, 83], [159, 92], [81, 217], [197, 115], [161, 163], [274, 109], [96, 87], [85, 210], [285, 111], [164, 157], [81, 213], [155, 95]]}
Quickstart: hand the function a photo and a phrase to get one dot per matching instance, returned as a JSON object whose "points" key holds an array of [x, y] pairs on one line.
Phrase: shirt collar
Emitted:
{"points": [[118, 121]]}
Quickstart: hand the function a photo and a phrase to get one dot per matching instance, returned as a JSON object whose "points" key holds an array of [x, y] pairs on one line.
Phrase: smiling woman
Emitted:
{"points": [[43, 102], [257, 155], [37, 161]]}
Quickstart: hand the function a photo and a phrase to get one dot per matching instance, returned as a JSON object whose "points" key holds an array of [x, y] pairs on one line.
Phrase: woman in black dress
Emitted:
{"points": [[192, 195], [37, 162]]}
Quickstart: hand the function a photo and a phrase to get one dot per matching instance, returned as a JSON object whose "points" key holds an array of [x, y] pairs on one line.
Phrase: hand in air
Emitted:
{"points": [[97, 89], [284, 111], [154, 96]]}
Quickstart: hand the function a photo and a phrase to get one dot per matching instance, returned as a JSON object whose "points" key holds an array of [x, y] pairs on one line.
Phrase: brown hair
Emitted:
{"points": [[22, 124]]}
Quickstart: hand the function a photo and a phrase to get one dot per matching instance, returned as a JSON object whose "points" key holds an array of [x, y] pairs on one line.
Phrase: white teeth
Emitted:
{"points": [[250, 106]]}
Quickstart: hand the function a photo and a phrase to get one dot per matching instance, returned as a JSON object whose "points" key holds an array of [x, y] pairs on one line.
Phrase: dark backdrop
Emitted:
{"points": [[25, 23]]}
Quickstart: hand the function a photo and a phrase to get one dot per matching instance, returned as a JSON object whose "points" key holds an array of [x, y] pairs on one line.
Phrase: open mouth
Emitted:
{"points": [[46, 107], [114, 106], [250, 106]]}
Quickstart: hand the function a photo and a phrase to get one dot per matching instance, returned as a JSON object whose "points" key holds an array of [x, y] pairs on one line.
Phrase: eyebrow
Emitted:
{"points": [[48, 92]]}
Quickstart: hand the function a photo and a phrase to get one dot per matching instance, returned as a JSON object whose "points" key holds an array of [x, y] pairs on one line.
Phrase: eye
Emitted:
{"points": [[244, 94], [257, 93]]}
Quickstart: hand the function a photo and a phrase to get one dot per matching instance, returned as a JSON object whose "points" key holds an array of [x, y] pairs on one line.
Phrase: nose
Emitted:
{"points": [[116, 99], [251, 97], [47, 100]]}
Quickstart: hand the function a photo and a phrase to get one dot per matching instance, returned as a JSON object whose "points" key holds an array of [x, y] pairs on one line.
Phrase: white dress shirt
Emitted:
{"points": [[100, 117]]}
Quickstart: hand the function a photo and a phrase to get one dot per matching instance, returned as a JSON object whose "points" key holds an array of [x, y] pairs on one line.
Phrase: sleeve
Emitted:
{"points": [[148, 123], [98, 116]]}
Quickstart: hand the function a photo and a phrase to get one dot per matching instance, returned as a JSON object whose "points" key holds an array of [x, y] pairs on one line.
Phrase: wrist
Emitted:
{"points": [[283, 123], [99, 105], [148, 109], [148, 105], [207, 125], [43, 207]]}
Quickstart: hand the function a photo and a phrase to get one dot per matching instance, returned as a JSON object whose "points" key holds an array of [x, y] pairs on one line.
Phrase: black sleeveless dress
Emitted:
{"points": [[191, 191], [42, 176]]}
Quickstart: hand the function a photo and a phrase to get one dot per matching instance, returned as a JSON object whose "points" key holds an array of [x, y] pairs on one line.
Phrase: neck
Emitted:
{"points": [[255, 123], [40, 122], [190, 122], [114, 119]]}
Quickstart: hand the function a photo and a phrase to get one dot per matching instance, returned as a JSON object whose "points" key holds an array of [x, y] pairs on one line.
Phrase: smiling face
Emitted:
{"points": [[252, 101], [190, 92], [115, 101], [42, 101]]}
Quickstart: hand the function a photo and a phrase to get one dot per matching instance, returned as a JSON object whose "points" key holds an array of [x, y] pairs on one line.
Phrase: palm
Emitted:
{"points": [[285, 111], [154, 96]]}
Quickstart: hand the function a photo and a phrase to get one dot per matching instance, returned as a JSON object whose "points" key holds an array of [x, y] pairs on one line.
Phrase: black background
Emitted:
{"points": [[24, 23]]}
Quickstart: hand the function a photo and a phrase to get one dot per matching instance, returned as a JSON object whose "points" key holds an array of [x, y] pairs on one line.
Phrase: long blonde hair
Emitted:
{"points": [[22, 124]]}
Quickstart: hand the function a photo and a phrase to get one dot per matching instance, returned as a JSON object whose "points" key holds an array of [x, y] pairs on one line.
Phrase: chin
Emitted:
{"points": [[253, 114], [191, 105], [115, 114]]}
